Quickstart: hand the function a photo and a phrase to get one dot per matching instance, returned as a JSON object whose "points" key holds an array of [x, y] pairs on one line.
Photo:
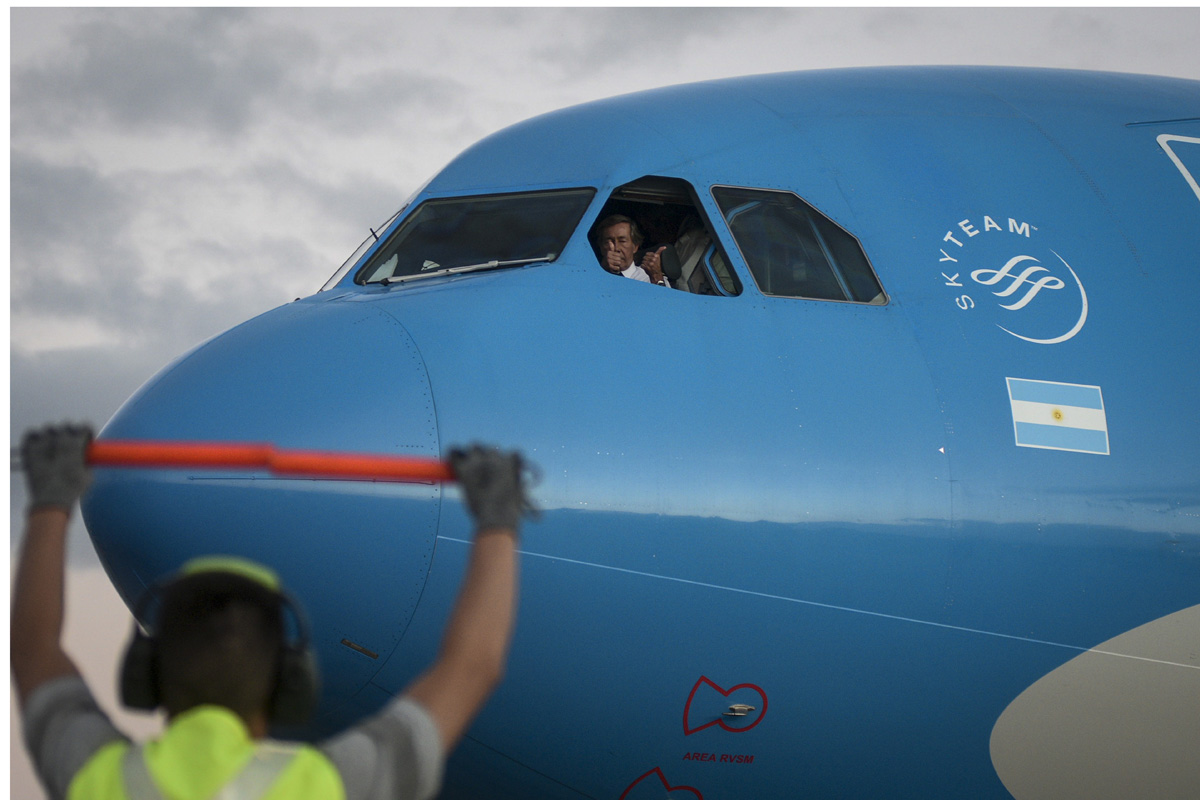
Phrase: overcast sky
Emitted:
{"points": [[174, 172]]}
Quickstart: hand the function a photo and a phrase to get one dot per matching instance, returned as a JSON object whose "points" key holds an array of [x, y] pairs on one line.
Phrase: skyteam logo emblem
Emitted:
{"points": [[1001, 272]]}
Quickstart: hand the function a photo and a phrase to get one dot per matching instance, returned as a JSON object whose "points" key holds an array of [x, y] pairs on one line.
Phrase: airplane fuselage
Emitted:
{"points": [[926, 523]]}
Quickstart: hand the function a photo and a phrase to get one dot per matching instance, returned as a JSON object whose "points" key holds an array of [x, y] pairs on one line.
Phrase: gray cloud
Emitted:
{"points": [[217, 73], [72, 246], [69, 246], [58, 208], [129, 251], [206, 68], [593, 42]]}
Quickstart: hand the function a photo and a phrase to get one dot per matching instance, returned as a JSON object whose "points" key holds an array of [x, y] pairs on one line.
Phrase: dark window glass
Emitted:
{"points": [[793, 250], [460, 234]]}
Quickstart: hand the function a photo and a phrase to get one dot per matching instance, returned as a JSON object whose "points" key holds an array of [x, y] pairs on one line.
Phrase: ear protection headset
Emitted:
{"points": [[295, 694]]}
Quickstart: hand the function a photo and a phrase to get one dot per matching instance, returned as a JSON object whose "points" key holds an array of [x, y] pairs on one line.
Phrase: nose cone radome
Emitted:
{"points": [[339, 376]]}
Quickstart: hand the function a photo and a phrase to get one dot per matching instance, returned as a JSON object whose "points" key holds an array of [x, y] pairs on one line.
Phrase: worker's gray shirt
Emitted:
{"points": [[397, 753]]}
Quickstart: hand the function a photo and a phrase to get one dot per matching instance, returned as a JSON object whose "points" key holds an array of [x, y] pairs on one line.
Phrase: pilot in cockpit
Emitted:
{"points": [[617, 241]]}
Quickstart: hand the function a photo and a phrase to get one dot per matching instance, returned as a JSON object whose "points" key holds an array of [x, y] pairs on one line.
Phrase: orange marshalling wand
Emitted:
{"points": [[296, 463]]}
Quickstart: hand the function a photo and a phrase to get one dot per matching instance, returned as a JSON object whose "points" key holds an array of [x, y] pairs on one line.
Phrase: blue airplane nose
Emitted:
{"points": [[316, 374]]}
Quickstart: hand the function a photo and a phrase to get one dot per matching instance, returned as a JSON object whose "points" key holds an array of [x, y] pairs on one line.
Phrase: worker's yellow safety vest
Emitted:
{"points": [[207, 753]]}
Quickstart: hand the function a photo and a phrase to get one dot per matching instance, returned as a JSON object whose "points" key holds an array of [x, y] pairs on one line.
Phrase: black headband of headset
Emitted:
{"points": [[296, 684]]}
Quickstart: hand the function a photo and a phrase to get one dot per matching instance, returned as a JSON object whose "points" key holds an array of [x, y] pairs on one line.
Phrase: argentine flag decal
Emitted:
{"points": [[1058, 416]]}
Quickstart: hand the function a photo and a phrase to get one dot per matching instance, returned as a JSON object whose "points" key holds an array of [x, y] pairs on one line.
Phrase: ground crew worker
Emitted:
{"points": [[220, 665]]}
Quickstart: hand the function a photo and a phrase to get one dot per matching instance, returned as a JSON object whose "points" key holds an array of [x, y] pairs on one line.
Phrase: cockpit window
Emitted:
{"points": [[671, 232], [464, 234], [793, 250]]}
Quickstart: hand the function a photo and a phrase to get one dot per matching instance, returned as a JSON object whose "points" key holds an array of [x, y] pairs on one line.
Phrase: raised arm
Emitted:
{"points": [[53, 459], [474, 646]]}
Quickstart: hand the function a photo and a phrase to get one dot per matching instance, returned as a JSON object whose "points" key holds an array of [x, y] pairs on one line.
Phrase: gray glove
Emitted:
{"points": [[53, 459], [493, 485]]}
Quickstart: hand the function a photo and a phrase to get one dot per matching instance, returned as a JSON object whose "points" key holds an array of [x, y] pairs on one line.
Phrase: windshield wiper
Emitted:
{"points": [[485, 265]]}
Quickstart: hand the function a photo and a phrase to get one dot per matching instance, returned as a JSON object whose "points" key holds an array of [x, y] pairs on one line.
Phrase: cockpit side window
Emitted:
{"points": [[461, 234], [793, 250], [667, 216]]}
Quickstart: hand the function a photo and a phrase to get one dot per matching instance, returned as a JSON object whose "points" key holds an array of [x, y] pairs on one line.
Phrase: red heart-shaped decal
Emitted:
{"points": [[689, 728], [663, 778]]}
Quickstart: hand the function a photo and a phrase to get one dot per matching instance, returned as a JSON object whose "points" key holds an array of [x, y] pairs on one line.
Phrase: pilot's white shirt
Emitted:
{"points": [[637, 273]]}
